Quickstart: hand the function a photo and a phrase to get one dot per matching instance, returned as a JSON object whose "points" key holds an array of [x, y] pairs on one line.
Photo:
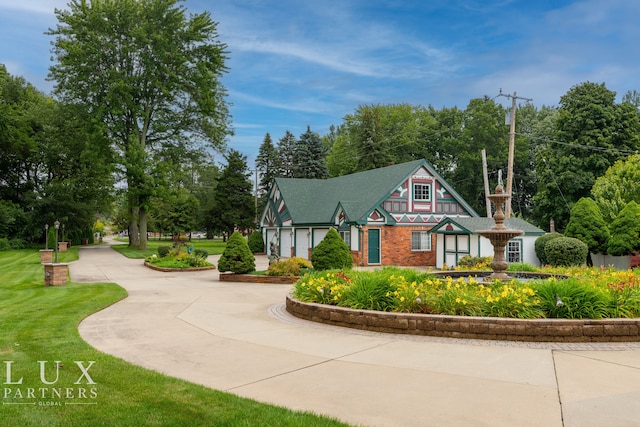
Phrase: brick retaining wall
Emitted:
{"points": [[257, 278], [489, 328]]}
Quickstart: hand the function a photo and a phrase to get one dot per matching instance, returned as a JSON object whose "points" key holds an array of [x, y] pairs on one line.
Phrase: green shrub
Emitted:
{"points": [[625, 231], [565, 252], [469, 261], [331, 253], [237, 256], [289, 267], [163, 251], [18, 244], [540, 244], [256, 244], [586, 224], [201, 253], [4, 244]]}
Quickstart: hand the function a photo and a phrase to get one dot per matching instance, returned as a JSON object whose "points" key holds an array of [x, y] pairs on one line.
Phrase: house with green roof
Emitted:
{"points": [[387, 216]]}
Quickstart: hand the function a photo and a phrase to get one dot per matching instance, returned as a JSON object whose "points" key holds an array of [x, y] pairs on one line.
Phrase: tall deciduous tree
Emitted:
{"points": [[150, 74], [617, 187], [54, 163], [592, 133], [483, 128]]}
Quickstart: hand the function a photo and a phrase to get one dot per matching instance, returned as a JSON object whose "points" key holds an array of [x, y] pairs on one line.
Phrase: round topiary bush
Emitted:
{"points": [[237, 256], [331, 253], [566, 251], [540, 244], [256, 244]]}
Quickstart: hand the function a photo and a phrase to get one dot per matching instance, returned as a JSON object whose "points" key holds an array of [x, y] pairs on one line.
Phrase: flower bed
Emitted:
{"points": [[589, 305], [584, 294], [176, 260]]}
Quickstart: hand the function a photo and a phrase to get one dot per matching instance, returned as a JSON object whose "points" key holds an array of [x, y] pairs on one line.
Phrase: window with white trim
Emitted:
{"points": [[346, 236], [422, 192], [420, 241], [514, 251]]}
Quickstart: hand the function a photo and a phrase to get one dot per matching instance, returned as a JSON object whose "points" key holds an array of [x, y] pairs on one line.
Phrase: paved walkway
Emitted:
{"points": [[238, 338]]}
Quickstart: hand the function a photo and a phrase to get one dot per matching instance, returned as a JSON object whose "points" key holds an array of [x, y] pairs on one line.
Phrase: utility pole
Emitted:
{"points": [[255, 194], [512, 141], [486, 182]]}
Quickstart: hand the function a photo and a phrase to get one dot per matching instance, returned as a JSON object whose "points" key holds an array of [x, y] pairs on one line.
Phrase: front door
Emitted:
{"points": [[374, 246]]}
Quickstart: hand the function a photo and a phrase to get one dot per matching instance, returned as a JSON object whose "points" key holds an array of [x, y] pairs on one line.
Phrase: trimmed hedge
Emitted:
{"points": [[540, 244], [566, 251]]}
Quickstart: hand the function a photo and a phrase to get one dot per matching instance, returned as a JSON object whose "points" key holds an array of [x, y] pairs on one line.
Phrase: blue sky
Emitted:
{"points": [[311, 62]]}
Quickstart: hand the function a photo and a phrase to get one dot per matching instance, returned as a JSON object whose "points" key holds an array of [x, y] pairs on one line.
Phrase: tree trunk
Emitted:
{"points": [[142, 221], [134, 231]]}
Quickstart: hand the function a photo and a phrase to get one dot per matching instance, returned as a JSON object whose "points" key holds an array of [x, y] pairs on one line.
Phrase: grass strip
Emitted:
{"points": [[40, 324], [212, 246]]}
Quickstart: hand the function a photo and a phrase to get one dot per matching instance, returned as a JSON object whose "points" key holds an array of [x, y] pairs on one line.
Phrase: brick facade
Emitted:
{"points": [[395, 247]]}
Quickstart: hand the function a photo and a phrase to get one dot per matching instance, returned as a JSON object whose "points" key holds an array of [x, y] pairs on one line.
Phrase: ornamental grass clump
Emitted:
{"points": [[289, 267]]}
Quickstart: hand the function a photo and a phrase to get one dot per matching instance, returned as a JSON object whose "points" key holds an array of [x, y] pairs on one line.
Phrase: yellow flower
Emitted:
{"points": [[458, 299]]}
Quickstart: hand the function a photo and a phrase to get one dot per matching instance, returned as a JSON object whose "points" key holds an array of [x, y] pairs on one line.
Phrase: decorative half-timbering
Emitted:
{"points": [[385, 215]]}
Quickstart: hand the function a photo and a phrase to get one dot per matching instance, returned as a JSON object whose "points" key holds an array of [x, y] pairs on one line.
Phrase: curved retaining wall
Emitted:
{"points": [[171, 270], [488, 328], [256, 278]]}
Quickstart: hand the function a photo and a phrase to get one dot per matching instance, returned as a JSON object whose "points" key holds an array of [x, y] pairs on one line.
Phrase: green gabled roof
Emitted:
{"points": [[477, 224], [314, 201]]}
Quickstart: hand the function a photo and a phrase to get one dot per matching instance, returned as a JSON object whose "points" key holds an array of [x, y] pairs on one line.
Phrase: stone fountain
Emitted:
{"points": [[499, 234]]}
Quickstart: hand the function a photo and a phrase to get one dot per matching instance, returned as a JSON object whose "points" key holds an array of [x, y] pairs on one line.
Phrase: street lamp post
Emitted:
{"points": [[46, 236], [57, 226]]}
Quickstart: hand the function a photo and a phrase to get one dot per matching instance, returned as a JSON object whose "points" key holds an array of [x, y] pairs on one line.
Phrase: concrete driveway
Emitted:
{"points": [[237, 337]]}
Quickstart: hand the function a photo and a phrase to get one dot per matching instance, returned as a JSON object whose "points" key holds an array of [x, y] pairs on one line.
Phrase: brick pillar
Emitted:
{"points": [[56, 274], [46, 256], [62, 246]]}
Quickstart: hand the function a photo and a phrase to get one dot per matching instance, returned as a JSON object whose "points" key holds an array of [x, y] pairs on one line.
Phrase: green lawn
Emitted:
{"points": [[213, 246], [41, 324]]}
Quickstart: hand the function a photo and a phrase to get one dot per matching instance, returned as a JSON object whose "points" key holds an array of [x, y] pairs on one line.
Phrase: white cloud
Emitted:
{"points": [[33, 6]]}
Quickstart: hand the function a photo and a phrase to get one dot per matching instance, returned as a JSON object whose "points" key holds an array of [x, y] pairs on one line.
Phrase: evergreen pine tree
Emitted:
{"points": [[310, 157], [266, 163], [625, 231], [234, 203], [237, 256], [285, 149]]}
